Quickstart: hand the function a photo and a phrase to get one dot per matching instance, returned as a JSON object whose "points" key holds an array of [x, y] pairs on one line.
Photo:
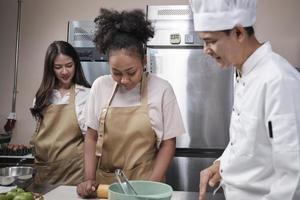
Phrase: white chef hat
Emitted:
{"points": [[217, 15]]}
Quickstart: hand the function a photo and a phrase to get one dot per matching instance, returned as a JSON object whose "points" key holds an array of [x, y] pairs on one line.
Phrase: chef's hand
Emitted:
{"points": [[87, 189], [210, 176]]}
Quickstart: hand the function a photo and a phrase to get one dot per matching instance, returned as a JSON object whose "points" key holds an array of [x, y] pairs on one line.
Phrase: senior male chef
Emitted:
{"points": [[262, 159]]}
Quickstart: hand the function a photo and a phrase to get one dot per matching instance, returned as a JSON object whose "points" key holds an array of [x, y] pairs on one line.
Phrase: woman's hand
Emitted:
{"points": [[87, 189]]}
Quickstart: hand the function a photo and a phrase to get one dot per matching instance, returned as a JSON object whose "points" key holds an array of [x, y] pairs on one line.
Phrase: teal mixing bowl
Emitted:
{"points": [[147, 190]]}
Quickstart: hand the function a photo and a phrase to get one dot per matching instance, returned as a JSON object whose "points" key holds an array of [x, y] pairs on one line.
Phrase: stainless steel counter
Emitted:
{"points": [[181, 195]]}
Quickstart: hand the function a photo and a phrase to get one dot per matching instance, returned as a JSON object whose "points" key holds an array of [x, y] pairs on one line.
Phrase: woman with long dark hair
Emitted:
{"points": [[58, 109], [133, 117]]}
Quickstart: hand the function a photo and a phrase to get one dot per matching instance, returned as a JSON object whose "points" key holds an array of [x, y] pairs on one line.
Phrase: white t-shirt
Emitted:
{"points": [[81, 96], [164, 114]]}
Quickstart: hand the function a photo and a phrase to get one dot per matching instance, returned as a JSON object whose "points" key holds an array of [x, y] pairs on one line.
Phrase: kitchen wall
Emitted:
{"points": [[44, 21]]}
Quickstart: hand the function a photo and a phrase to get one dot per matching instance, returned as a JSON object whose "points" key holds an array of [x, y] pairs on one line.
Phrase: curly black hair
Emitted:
{"points": [[122, 30]]}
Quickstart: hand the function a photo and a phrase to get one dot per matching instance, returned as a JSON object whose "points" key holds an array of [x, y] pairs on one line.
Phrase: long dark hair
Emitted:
{"points": [[122, 30], [49, 79]]}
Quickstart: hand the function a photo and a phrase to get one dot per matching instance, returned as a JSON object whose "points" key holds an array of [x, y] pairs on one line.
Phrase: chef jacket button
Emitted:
{"points": [[244, 84], [231, 143], [221, 170], [233, 109], [100, 135], [238, 114]]}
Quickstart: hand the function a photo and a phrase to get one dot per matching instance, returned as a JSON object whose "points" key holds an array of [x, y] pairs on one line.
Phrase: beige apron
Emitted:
{"points": [[58, 145], [126, 140]]}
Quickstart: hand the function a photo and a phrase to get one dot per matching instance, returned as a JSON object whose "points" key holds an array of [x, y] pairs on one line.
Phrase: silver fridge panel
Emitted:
{"points": [[92, 70], [203, 91], [172, 20], [81, 33], [189, 180], [169, 12]]}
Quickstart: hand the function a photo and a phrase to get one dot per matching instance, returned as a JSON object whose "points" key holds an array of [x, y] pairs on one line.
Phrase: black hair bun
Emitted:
{"points": [[111, 23]]}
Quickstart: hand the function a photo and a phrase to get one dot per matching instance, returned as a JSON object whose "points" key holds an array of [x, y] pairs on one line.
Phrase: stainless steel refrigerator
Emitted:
{"points": [[203, 90], [80, 36]]}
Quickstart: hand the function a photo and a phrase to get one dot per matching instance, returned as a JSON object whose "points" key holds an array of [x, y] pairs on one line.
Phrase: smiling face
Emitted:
{"points": [[64, 70], [223, 47], [126, 68]]}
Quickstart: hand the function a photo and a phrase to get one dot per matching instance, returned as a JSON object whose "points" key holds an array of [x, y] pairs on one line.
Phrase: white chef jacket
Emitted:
{"points": [[262, 159]]}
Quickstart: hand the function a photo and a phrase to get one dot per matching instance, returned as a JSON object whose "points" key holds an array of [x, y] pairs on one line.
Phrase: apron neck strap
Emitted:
{"points": [[114, 91], [72, 94], [143, 90]]}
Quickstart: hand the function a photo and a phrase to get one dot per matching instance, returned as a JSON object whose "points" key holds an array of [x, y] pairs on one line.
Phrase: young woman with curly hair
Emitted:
{"points": [[133, 117]]}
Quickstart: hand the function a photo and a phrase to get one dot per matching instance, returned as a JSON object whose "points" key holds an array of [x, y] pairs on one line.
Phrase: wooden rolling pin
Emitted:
{"points": [[102, 191]]}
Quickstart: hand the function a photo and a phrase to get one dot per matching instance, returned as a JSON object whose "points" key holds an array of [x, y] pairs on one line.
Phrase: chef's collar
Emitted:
{"points": [[255, 57]]}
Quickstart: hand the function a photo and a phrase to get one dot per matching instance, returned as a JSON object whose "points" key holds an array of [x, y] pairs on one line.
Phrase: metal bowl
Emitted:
{"points": [[18, 175]]}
